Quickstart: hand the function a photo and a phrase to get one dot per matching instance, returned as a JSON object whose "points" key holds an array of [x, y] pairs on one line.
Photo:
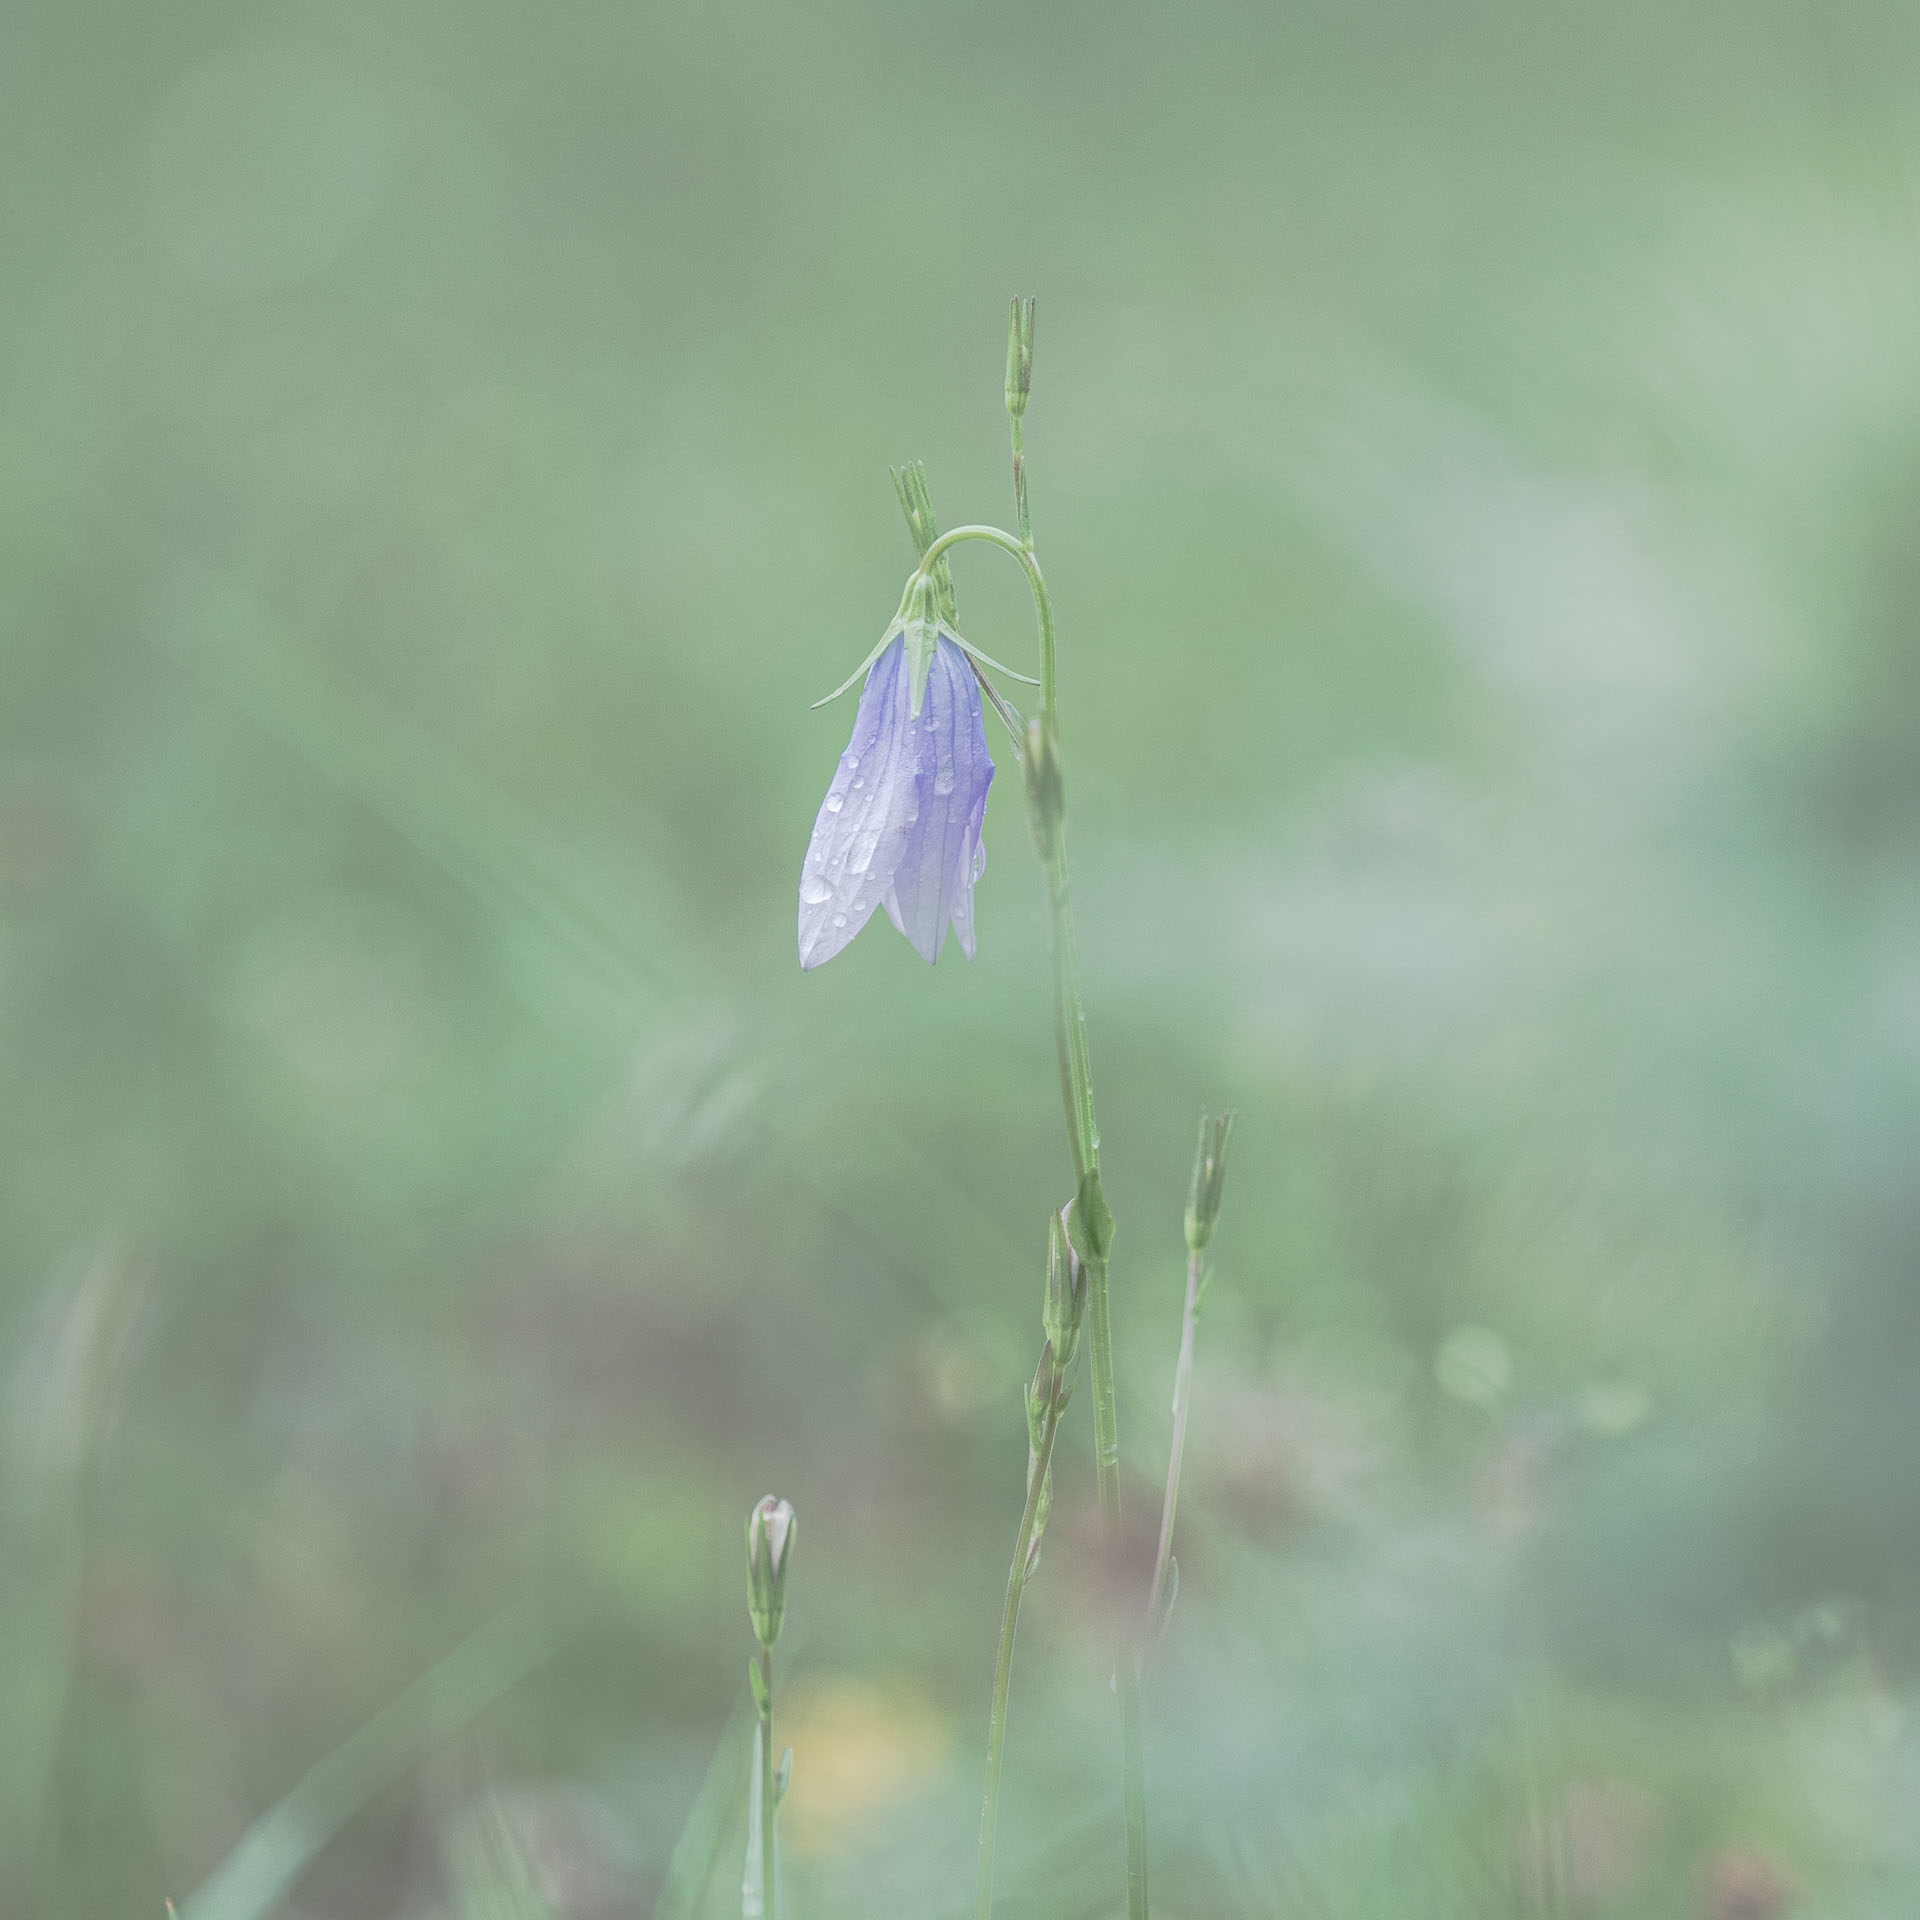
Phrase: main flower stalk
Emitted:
{"points": [[1093, 1222]]}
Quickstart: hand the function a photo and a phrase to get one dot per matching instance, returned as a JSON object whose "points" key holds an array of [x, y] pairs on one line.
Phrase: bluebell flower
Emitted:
{"points": [[900, 826]]}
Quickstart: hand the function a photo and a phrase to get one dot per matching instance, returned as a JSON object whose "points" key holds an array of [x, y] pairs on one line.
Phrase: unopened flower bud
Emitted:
{"points": [[1209, 1176], [1066, 1292], [1089, 1218], [1019, 354], [1046, 790], [922, 534], [916, 502], [770, 1529]]}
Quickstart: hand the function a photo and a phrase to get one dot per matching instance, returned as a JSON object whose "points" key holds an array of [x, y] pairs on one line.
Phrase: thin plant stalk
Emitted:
{"points": [[1203, 1211], [770, 1535], [1106, 1444], [1158, 1597], [768, 1798], [1003, 1663], [1046, 807]]}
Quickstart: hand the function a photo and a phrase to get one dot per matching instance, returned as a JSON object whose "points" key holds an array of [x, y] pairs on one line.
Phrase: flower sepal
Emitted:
{"points": [[921, 630], [896, 629], [922, 625]]}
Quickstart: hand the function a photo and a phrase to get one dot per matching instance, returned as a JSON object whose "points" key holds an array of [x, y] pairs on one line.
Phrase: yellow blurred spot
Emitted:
{"points": [[858, 1750]]}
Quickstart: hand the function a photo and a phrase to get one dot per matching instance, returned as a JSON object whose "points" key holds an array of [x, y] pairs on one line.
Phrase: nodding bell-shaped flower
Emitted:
{"points": [[900, 826]]}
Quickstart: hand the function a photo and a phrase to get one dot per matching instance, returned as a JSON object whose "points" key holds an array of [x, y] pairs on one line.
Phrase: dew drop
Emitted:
{"points": [[839, 919], [860, 783], [835, 801], [943, 779], [853, 760], [814, 891]]}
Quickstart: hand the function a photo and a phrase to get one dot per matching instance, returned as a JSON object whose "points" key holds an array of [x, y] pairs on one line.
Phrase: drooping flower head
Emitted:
{"points": [[900, 826]]}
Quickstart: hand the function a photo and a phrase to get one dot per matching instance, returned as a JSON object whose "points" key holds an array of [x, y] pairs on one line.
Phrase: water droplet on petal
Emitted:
{"points": [[835, 801], [853, 760], [814, 890], [839, 919]]}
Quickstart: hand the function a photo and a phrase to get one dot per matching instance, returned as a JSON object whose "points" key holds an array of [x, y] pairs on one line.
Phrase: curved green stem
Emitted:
{"points": [[1003, 1664], [1042, 602], [1070, 1026]]}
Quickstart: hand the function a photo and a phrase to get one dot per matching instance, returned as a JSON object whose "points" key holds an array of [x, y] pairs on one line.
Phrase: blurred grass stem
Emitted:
{"points": [[716, 1805], [1040, 1468], [279, 1846], [1158, 1597], [1203, 1211]]}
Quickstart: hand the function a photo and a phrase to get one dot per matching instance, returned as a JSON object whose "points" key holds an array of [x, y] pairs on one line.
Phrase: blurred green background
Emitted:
{"points": [[1476, 452]]}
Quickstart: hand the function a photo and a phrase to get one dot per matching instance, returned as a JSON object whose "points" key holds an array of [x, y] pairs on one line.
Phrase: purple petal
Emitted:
{"points": [[857, 834], [933, 883], [963, 902]]}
